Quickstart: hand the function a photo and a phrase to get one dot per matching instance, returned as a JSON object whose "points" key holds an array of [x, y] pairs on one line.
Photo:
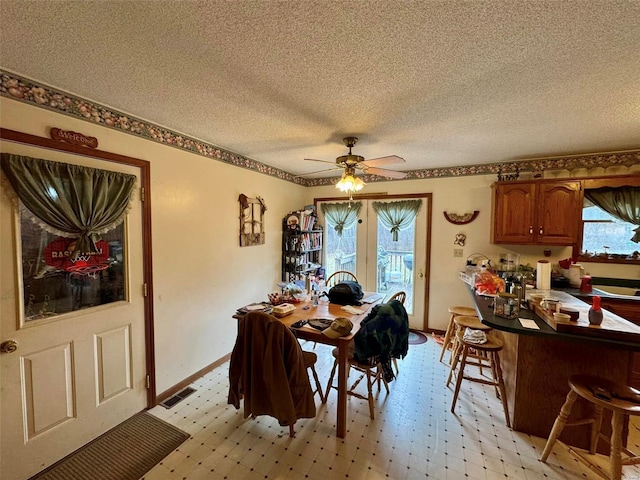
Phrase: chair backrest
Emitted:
{"points": [[340, 276], [400, 296]]}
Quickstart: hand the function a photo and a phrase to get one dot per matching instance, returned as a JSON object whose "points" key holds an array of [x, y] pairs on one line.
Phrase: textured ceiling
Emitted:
{"points": [[438, 83]]}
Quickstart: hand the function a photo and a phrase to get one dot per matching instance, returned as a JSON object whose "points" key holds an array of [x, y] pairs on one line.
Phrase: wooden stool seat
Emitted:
{"points": [[620, 399], [448, 336], [466, 311], [465, 321], [484, 352], [460, 324]]}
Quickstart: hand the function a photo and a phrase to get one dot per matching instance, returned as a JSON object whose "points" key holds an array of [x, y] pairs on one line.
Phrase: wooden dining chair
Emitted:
{"points": [[400, 296], [340, 276], [372, 372], [310, 360]]}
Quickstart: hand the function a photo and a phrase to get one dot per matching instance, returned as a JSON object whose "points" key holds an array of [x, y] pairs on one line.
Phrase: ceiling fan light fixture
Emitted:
{"points": [[349, 183]]}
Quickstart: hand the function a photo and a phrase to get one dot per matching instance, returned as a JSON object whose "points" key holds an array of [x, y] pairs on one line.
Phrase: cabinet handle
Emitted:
{"points": [[540, 230], [530, 229]]}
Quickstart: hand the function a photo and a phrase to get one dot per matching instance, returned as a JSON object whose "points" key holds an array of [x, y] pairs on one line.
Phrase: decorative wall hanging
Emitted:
{"points": [[251, 220], [461, 238], [73, 137], [461, 219]]}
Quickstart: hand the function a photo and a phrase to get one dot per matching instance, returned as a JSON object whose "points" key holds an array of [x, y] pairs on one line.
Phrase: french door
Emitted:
{"points": [[367, 249]]}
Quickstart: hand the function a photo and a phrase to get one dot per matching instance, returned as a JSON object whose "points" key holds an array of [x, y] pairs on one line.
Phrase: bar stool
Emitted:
{"points": [[622, 401], [454, 311], [460, 324], [490, 350]]}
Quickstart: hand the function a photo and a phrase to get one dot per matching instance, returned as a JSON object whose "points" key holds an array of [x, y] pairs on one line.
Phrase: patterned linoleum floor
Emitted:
{"points": [[413, 436]]}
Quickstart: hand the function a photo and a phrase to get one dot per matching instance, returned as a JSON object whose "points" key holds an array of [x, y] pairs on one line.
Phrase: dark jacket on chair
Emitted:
{"points": [[383, 335], [267, 369]]}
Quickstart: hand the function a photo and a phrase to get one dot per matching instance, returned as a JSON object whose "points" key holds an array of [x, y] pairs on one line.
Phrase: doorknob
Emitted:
{"points": [[8, 346]]}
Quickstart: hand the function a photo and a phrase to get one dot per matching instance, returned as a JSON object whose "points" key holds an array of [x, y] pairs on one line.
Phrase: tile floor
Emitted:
{"points": [[413, 436]]}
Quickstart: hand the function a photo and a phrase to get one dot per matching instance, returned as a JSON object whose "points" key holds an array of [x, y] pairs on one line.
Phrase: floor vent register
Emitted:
{"points": [[178, 397]]}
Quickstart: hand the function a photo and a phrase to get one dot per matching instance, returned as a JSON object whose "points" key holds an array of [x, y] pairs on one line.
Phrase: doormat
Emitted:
{"points": [[416, 338], [126, 452]]}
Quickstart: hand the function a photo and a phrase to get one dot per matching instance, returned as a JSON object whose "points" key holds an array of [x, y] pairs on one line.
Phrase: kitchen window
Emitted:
{"points": [[611, 224]]}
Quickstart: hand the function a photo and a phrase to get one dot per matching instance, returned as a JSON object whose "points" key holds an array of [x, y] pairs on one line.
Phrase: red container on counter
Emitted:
{"points": [[585, 284]]}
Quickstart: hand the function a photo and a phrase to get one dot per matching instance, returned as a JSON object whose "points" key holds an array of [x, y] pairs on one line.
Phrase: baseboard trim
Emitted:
{"points": [[161, 397]]}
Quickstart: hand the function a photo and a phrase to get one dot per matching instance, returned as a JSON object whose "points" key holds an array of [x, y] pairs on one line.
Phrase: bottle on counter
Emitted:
{"points": [[595, 312]]}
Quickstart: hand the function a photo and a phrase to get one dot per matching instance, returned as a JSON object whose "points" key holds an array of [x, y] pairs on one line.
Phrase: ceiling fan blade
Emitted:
{"points": [[316, 160], [375, 162], [383, 172], [319, 171]]}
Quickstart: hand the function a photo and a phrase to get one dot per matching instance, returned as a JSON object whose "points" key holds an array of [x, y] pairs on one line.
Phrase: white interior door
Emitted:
{"points": [[380, 264], [73, 376]]}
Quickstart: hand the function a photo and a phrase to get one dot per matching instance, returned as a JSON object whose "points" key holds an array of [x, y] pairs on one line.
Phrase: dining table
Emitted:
{"points": [[306, 310]]}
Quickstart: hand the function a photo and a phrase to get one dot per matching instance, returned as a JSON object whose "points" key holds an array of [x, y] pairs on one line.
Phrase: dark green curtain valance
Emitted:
{"points": [[70, 200], [341, 215], [620, 202], [397, 216]]}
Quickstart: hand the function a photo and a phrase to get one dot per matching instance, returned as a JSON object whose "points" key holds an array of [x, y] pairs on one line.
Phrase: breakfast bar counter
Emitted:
{"points": [[537, 364]]}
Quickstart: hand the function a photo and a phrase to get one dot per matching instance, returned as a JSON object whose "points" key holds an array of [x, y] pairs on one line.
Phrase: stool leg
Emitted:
{"points": [[495, 365], [447, 337], [465, 350], [455, 356], [616, 446], [494, 374], [595, 428], [559, 424]]}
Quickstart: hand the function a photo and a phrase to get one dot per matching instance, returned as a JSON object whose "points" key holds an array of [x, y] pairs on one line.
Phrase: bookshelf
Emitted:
{"points": [[301, 245]]}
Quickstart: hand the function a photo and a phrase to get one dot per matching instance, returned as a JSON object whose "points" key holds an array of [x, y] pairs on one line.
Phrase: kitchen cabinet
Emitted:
{"points": [[539, 212], [301, 246]]}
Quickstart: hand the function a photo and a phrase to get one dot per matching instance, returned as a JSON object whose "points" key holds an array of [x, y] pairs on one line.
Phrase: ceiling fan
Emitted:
{"points": [[351, 162]]}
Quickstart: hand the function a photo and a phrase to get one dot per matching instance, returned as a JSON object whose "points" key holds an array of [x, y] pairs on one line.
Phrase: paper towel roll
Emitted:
{"points": [[543, 275]]}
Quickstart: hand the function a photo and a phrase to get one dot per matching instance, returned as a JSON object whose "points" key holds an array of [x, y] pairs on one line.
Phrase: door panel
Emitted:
{"points": [[76, 375], [49, 398]]}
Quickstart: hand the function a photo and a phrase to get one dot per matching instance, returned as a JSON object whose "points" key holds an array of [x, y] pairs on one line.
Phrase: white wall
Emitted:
{"points": [[200, 273]]}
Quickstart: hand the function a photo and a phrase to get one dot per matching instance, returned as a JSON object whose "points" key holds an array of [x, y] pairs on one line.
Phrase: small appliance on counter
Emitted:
{"points": [[576, 272]]}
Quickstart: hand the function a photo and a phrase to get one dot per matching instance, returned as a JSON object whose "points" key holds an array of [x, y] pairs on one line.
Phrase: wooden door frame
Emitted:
{"points": [[427, 267], [145, 179]]}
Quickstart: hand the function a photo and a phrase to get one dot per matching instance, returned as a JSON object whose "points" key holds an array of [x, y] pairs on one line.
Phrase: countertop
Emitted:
{"points": [[484, 307], [601, 293]]}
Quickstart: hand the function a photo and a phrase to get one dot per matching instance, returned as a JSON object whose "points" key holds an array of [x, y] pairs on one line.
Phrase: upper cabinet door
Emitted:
{"points": [[537, 212], [559, 212], [513, 213]]}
